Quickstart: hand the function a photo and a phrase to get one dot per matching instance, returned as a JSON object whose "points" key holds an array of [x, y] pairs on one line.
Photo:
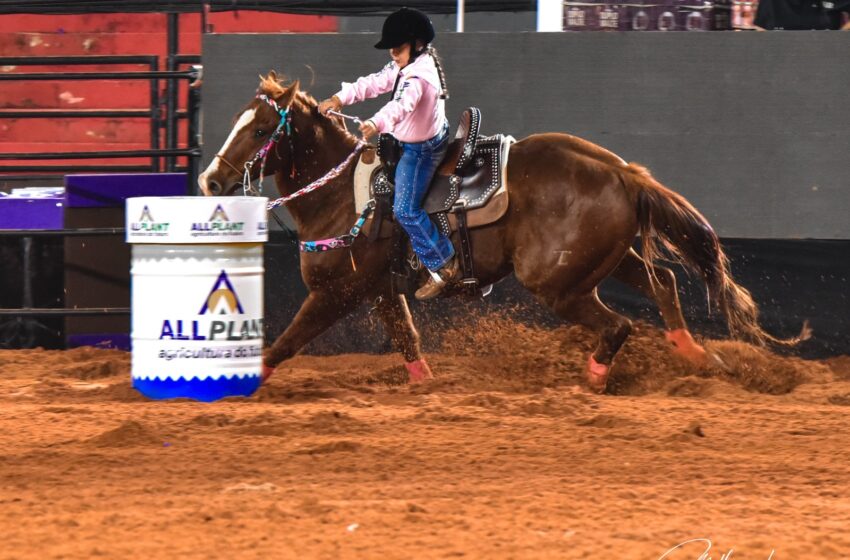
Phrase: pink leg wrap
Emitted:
{"points": [[266, 372], [685, 346], [418, 371], [597, 375]]}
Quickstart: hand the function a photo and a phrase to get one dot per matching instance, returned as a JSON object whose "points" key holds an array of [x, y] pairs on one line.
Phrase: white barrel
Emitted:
{"points": [[197, 295]]}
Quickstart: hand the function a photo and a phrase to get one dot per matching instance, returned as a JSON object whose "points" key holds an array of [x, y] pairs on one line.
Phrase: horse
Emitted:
{"points": [[575, 210]]}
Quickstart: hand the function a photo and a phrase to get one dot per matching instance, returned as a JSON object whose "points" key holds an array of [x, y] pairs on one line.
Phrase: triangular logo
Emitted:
{"points": [[219, 215], [222, 299], [146, 215]]}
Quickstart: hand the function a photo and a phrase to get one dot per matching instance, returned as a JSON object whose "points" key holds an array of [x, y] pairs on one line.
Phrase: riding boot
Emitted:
{"points": [[438, 280]]}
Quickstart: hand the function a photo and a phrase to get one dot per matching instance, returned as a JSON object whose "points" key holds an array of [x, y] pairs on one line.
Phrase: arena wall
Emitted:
{"points": [[749, 126]]}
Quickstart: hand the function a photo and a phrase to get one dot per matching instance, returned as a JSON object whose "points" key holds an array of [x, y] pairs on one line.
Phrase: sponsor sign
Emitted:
{"points": [[194, 219]]}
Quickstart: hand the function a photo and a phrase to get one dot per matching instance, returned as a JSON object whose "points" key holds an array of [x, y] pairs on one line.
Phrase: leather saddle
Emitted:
{"points": [[470, 178], [470, 171]]}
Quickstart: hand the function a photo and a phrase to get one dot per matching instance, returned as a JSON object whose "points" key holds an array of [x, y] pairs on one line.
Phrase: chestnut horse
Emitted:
{"points": [[575, 209]]}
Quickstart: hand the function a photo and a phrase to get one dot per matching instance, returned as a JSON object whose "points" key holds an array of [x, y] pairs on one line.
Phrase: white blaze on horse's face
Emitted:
{"points": [[209, 182]]}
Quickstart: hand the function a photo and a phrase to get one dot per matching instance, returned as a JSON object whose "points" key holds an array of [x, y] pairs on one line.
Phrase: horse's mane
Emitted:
{"points": [[307, 99], [274, 85]]}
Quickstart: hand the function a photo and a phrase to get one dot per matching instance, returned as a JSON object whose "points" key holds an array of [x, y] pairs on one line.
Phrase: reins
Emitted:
{"points": [[323, 180], [261, 156]]}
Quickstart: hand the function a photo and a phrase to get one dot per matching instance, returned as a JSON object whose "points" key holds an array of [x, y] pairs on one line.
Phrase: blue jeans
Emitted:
{"points": [[413, 175]]}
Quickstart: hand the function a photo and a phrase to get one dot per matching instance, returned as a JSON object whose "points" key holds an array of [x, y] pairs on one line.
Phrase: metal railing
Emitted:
{"points": [[169, 122]]}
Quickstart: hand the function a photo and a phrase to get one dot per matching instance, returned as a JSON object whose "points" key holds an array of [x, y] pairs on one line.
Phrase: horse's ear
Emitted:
{"points": [[285, 98], [272, 76]]}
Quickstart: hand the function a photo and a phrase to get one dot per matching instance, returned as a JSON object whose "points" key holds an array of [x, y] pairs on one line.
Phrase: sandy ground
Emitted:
{"points": [[504, 456]]}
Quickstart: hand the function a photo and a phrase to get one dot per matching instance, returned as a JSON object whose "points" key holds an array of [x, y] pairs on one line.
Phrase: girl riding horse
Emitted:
{"points": [[416, 116], [574, 212]]}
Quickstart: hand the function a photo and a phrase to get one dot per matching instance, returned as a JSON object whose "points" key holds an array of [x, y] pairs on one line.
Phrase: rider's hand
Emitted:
{"points": [[368, 129], [332, 104]]}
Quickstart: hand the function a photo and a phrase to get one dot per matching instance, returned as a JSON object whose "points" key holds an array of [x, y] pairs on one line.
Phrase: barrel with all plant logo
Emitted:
{"points": [[197, 295]]}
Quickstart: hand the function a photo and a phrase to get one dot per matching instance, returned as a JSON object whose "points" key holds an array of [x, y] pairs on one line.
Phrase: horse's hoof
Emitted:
{"points": [[266, 373], [597, 375], [418, 372], [685, 346]]}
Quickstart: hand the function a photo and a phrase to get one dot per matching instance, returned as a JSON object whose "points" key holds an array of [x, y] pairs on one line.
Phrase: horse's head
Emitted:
{"points": [[252, 132]]}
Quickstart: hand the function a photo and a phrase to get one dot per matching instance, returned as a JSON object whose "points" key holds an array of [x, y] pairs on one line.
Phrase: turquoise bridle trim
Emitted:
{"points": [[262, 154]]}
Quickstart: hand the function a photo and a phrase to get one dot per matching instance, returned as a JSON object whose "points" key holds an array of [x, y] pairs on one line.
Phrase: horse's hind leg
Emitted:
{"points": [[318, 312], [613, 329], [633, 271], [394, 313]]}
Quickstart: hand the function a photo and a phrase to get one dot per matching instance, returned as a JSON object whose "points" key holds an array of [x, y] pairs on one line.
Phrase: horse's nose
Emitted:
{"points": [[214, 188]]}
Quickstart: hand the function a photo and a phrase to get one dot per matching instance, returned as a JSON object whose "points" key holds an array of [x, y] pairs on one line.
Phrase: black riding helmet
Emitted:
{"points": [[406, 25]]}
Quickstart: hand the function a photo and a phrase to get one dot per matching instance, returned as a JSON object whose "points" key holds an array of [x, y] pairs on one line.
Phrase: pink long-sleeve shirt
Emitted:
{"points": [[416, 113]]}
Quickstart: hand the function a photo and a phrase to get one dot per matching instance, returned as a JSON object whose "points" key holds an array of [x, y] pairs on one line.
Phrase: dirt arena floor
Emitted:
{"points": [[503, 456]]}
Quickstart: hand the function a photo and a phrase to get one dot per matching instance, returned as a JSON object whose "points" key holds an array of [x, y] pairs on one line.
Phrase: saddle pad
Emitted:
{"points": [[495, 208], [481, 178], [366, 166]]}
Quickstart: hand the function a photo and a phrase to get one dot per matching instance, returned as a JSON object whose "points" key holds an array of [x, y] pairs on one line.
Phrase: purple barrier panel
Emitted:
{"points": [[118, 341], [111, 190], [31, 213]]}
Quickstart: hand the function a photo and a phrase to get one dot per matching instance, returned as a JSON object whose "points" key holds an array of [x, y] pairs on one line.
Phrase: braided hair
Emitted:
{"points": [[444, 90], [438, 62]]}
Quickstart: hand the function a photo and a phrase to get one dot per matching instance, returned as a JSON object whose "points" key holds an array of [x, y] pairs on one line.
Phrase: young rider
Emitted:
{"points": [[416, 117]]}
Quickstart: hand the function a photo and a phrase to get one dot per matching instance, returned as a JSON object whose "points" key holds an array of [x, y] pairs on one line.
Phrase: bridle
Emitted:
{"points": [[338, 242], [262, 154], [286, 124], [248, 189], [233, 167]]}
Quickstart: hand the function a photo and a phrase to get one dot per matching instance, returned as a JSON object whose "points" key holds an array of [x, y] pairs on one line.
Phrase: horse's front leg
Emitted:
{"points": [[395, 315], [318, 312]]}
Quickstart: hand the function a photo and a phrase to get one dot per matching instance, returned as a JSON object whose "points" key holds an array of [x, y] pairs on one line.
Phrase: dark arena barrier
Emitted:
{"points": [[792, 281], [758, 156], [70, 284]]}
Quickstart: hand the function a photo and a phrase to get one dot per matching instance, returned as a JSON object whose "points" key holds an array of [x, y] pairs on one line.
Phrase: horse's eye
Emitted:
{"points": [[260, 133]]}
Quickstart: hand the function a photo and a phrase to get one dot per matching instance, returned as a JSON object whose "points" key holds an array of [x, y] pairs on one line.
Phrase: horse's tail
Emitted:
{"points": [[669, 224]]}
